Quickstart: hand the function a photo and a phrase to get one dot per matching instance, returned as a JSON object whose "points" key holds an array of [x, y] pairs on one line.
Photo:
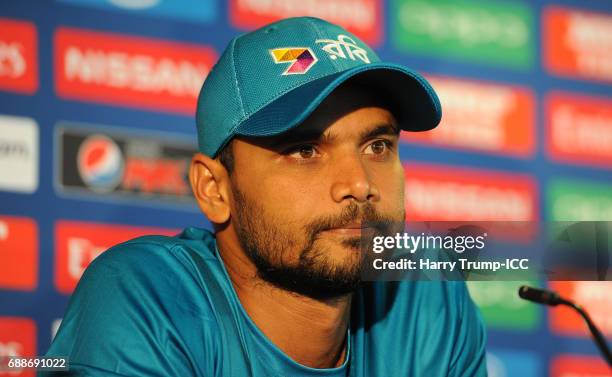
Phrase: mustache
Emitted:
{"points": [[365, 214]]}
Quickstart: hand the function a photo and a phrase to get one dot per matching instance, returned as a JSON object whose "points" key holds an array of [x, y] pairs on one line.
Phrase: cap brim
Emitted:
{"points": [[415, 104]]}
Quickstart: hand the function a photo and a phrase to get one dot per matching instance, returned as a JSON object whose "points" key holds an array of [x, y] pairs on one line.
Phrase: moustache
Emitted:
{"points": [[366, 215]]}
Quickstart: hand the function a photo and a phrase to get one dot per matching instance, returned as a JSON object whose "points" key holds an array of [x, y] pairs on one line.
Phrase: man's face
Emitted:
{"points": [[301, 200]]}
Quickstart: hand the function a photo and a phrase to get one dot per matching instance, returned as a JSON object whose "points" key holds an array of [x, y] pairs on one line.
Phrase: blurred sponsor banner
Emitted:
{"points": [[577, 43], [484, 117], [185, 10], [437, 192], [17, 338], [115, 163], [501, 306], [78, 243], [364, 18], [526, 92], [578, 366], [509, 363], [18, 56], [124, 70], [492, 32], [575, 200], [579, 129], [18, 154], [18, 253], [593, 296]]}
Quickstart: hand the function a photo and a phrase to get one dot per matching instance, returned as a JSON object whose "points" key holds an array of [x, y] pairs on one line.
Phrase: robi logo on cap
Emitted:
{"points": [[100, 163], [302, 59]]}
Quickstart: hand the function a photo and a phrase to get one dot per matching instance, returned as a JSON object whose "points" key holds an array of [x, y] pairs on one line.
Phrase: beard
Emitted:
{"points": [[312, 272]]}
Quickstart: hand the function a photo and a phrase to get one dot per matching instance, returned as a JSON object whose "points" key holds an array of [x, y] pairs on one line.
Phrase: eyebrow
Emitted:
{"points": [[304, 135], [327, 138], [380, 130]]}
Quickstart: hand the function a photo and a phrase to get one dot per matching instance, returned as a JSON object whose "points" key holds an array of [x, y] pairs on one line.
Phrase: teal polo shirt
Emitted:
{"points": [[165, 306]]}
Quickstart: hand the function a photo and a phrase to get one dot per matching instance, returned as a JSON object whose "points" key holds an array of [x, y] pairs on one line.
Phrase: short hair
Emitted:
{"points": [[226, 157]]}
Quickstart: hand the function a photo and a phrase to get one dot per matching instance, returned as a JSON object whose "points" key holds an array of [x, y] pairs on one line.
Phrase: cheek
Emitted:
{"points": [[390, 184], [290, 202], [394, 203], [399, 183], [304, 204], [390, 187]]}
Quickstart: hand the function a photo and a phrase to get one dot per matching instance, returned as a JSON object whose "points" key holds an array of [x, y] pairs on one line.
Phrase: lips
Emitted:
{"points": [[351, 226], [354, 228]]}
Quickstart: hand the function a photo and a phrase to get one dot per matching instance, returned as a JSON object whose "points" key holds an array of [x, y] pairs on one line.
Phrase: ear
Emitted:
{"points": [[210, 184]]}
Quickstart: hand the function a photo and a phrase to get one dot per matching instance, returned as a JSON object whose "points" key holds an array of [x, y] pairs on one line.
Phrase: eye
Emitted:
{"points": [[378, 147], [303, 152]]}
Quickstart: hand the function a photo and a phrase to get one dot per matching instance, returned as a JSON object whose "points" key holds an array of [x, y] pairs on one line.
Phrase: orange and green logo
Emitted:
{"points": [[577, 43], [364, 18], [491, 32], [453, 193], [482, 116], [501, 306], [593, 296], [579, 129], [573, 200], [300, 59], [566, 365]]}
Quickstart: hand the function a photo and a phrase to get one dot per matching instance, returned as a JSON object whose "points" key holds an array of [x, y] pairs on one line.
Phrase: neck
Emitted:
{"points": [[311, 332]]}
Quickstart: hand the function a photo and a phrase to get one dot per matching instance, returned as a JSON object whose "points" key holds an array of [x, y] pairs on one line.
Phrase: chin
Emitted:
{"points": [[339, 255]]}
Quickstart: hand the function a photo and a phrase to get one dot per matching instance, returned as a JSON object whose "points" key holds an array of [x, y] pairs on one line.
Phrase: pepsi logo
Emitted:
{"points": [[106, 164], [100, 163]]}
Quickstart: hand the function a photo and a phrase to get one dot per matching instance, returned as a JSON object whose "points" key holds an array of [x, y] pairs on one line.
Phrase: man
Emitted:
{"points": [[298, 129]]}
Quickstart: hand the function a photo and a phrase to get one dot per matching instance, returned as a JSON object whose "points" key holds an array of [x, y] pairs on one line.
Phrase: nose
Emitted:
{"points": [[351, 180]]}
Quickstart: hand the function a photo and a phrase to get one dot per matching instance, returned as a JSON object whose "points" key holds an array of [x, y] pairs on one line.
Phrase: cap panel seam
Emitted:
{"points": [[319, 36], [314, 26], [247, 114], [235, 73]]}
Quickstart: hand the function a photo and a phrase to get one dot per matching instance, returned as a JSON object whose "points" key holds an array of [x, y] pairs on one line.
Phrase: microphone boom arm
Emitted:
{"points": [[542, 296]]}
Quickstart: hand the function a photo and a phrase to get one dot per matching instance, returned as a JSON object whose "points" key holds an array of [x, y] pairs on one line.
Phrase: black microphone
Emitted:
{"points": [[543, 296]]}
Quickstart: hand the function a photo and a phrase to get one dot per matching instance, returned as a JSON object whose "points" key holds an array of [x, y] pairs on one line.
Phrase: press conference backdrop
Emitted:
{"points": [[97, 127]]}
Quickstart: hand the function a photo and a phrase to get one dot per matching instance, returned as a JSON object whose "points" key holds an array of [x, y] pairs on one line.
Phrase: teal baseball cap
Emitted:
{"points": [[270, 80]]}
